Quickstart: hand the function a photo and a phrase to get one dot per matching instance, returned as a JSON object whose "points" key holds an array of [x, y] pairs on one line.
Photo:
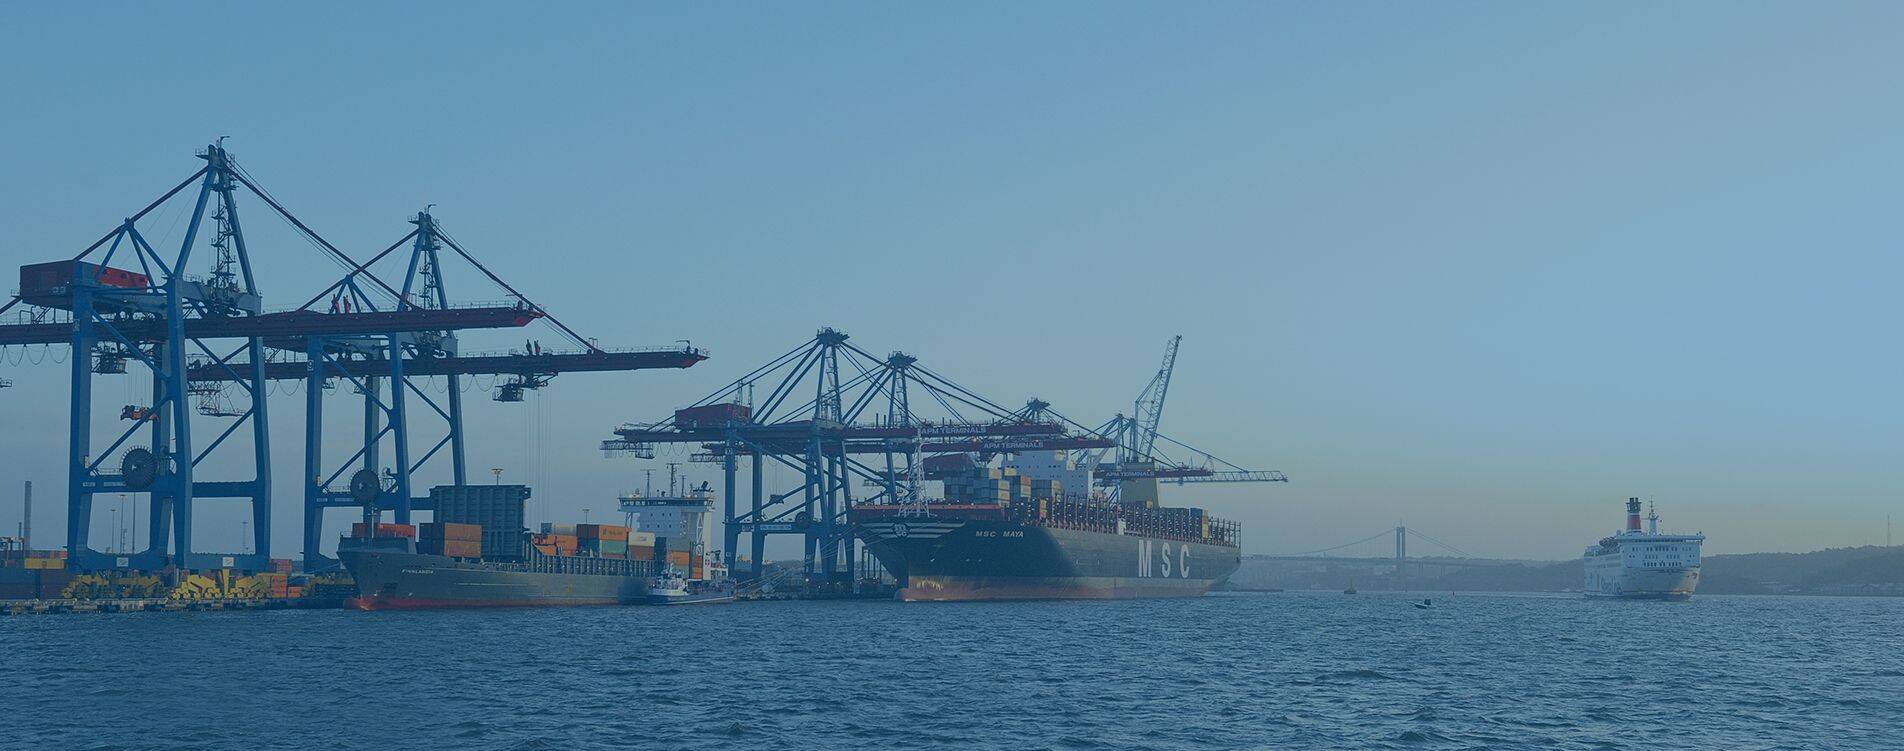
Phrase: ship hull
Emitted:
{"points": [[950, 559], [395, 580], [1608, 577]]}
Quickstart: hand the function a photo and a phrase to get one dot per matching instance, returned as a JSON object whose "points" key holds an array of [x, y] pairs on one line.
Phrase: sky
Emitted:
{"points": [[1480, 268]]}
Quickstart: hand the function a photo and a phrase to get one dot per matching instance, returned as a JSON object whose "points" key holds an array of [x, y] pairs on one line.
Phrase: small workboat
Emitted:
{"points": [[671, 588]]}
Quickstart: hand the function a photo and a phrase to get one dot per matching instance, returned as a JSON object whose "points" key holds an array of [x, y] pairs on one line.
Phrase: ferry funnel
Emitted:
{"points": [[1632, 514]]}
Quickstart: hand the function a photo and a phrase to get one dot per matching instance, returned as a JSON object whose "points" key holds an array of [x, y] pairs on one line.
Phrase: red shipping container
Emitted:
{"points": [[40, 281], [406, 531]]}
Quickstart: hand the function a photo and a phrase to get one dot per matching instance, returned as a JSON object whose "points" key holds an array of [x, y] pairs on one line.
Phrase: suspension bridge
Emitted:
{"points": [[1447, 555]]}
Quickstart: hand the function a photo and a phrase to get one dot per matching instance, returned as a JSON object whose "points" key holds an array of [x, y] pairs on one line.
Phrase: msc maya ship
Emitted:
{"points": [[1000, 534]]}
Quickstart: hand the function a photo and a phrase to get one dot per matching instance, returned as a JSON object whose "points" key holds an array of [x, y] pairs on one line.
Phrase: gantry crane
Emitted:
{"points": [[1139, 464], [164, 317], [157, 317], [828, 438], [370, 362]]}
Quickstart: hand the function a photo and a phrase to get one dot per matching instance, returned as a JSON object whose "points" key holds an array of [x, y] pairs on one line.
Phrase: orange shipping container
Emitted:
{"points": [[452, 531], [640, 553], [563, 543]]}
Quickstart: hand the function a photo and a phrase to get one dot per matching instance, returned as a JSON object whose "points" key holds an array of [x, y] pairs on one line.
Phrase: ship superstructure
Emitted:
{"points": [[671, 528], [1636, 563]]}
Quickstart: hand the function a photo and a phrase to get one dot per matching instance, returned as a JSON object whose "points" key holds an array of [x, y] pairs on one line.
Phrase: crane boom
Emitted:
{"points": [[1148, 412]]}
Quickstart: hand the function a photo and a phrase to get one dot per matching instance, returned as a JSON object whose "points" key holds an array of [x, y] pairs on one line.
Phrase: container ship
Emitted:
{"points": [[479, 554], [1646, 564], [1001, 534]]}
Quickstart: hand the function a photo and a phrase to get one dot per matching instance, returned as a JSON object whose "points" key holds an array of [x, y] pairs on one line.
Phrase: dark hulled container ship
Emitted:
{"points": [[393, 577], [1005, 545], [479, 555]]}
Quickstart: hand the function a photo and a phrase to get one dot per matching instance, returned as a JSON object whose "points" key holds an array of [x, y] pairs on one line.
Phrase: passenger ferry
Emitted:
{"points": [[1643, 564]]}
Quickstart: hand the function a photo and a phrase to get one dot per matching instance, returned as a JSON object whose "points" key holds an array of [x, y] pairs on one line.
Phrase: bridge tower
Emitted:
{"points": [[1401, 550]]}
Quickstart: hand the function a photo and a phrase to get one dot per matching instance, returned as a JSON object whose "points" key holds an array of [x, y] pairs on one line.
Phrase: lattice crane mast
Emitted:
{"points": [[826, 443], [1138, 458]]}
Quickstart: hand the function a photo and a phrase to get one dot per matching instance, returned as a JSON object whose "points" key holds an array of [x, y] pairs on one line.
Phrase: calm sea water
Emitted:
{"points": [[1278, 671]]}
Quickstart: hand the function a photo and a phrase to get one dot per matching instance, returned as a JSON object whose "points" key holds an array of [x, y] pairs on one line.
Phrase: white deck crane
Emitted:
{"points": [[1138, 458]]}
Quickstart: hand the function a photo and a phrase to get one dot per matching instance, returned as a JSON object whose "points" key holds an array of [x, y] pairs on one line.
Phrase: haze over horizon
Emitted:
{"points": [[1485, 269]]}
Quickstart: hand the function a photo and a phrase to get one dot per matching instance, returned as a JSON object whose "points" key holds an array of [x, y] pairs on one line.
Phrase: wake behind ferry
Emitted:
{"points": [[1643, 564]]}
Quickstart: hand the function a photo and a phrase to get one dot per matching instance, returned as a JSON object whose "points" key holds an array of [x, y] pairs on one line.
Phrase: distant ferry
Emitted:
{"points": [[1643, 564]]}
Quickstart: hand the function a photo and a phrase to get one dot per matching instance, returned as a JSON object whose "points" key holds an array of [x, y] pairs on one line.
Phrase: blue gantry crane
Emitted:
{"points": [[156, 318], [383, 368], [166, 318], [870, 421]]}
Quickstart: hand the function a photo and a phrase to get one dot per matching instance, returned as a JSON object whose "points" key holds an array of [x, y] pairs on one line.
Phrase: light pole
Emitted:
{"points": [[497, 471]]}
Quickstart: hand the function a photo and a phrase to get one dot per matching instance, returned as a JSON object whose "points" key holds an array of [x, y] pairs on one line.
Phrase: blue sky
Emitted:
{"points": [[1485, 268]]}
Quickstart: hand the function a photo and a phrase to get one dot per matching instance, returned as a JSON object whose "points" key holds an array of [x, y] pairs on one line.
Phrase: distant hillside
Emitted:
{"points": [[1869, 570]]}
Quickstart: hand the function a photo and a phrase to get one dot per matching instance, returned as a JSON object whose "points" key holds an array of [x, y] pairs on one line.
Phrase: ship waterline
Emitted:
{"points": [[402, 580], [951, 559], [1642, 564]]}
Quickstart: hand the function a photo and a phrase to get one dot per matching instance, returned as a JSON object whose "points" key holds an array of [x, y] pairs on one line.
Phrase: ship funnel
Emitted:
{"points": [[1632, 514]]}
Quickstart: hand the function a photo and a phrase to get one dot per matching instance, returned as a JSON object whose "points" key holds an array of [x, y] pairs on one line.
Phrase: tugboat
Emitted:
{"points": [[671, 588]]}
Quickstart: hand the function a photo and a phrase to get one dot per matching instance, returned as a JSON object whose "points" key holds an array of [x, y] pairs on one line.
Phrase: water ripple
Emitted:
{"points": [[1232, 672]]}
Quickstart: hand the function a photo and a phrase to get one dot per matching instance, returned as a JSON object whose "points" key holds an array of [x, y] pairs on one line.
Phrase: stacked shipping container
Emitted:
{"points": [[498, 509], [986, 485], [603, 540], [451, 539], [1044, 501]]}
